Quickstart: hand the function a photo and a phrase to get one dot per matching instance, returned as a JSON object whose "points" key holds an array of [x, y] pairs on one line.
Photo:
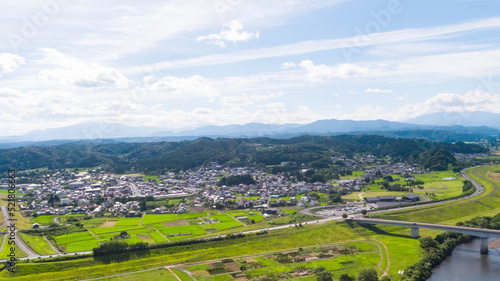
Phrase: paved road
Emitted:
{"points": [[18, 240], [478, 232], [479, 189]]}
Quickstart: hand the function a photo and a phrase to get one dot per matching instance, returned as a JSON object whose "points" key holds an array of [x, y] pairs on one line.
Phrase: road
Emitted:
{"points": [[18, 240], [479, 190]]}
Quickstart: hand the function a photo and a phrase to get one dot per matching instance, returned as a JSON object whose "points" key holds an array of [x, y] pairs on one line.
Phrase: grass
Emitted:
{"points": [[104, 230], [221, 277], [4, 191], [195, 230], [151, 275], [274, 241], [157, 237], [76, 242], [38, 244], [455, 211], [345, 262], [44, 219], [156, 178], [182, 275], [197, 267], [403, 250], [128, 222], [154, 219], [6, 251]]}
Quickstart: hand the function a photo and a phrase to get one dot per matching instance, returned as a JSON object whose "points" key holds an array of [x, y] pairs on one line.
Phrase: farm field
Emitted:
{"points": [[341, 258], [78, 241], [43, 219], [128, 222], [274, 241]]}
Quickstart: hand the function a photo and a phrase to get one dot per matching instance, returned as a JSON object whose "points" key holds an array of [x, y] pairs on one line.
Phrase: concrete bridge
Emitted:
{"points": [[482, 233]]}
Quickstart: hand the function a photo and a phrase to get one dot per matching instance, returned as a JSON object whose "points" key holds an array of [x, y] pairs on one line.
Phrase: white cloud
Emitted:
{"points": [[275, 105], [178, 87], [369, 90], [322, 73], [349, 45], [9, 62], [234, 33], [287, 65], [245, 100], [72, 71], [449, 102]]}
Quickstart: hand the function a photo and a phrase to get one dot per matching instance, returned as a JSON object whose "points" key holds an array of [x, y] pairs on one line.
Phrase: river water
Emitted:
{"points": [[467, 264]]}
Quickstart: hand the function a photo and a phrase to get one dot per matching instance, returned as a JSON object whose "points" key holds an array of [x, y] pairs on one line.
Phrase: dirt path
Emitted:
{"points": [[360, 197], [140, 221], [160, 233], [168, 268], [185, 271], [52, 246], [91, 233], [216, 260], [386, 272]]}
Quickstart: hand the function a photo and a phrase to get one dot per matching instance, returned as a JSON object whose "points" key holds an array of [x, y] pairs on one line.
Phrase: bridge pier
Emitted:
{"points": [[484, 245], [415, 232]]}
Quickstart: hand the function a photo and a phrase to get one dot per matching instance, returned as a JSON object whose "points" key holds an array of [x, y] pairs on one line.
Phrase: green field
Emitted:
{"points": [[290, 238], [358, 255], [6, 251], [43, 219], [450, 213], [172, 232], [402, 250], [104, 230], [37, 244], [150, 275], [78, 241], [154, 219], [128, 222], [183, 276]]}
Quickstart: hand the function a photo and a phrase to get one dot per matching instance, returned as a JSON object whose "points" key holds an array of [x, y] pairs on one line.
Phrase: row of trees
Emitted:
{"points": [[483, 222]]}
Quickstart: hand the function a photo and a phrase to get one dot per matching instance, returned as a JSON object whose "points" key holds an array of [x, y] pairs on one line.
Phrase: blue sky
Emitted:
{"points": [[186, 64]]}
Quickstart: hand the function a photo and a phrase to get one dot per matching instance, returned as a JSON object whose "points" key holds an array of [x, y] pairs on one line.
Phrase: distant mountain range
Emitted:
{"points": [[465, 119], [447, 127]]}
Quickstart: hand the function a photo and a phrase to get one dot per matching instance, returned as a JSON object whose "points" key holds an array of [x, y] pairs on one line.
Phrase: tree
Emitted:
{"points": [[344, 216], [385, 278], [335, 198], [427, 242], [345, 277], [324, 275], [367, 275], [142, 205], [363, 212]]}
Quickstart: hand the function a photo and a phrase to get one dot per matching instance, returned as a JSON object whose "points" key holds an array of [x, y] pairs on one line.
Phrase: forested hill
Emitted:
{"points": [[164, 156]]}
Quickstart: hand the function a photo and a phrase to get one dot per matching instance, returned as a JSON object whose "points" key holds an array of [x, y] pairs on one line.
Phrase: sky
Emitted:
{"points": [[183, 64]]}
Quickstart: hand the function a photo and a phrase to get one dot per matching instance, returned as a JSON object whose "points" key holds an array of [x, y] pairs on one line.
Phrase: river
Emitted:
{"points": [[467, 264]]}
